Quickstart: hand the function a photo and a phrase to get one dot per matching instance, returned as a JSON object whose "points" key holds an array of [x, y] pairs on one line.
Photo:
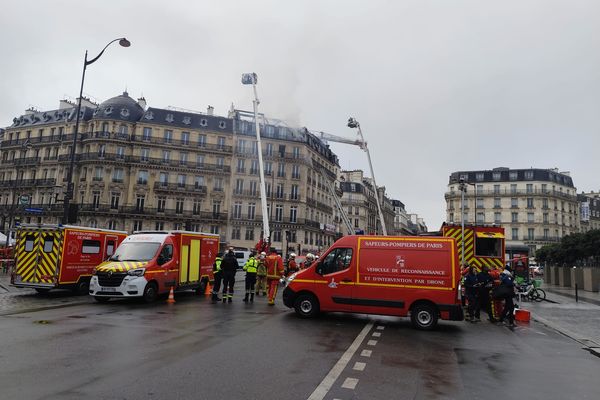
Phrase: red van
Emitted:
{"points": [[382, 275]]}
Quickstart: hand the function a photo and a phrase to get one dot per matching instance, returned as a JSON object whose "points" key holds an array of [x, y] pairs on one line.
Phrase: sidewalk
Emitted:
{"points": [[577, 320]]}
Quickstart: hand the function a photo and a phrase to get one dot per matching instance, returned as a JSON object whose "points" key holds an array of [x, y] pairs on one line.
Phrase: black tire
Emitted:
{"points": [[540, 295], [306, 306], [150, 292], [102, 299], [42, 290], [424, 316], [82, 288]]}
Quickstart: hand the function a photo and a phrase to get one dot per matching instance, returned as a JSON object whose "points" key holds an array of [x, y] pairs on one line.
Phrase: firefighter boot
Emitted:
{"points": [[246, 298], [252, 297], [224, 298], [230, 298]]}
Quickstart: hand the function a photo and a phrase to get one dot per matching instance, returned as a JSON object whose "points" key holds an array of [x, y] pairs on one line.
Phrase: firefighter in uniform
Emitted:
{"points": [[274, 264], [218, 277], [292, 266], [261, 275], [229, 266], [250, 267]]}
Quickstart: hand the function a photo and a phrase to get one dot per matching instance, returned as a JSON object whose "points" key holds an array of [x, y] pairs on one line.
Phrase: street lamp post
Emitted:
{"points": [[70, 189], [353, 123]]}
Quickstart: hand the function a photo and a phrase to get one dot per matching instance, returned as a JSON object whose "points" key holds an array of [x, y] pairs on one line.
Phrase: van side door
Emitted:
{"points": [[337, 280]]}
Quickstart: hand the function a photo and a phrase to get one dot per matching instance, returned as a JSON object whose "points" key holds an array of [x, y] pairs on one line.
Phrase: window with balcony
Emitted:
{"points": [[497, 218], [216, 207], [514, 202], [98, 174], [147, 134], [183, 158], [139, 202], [220, 162], [163, 178], [281, 170], [514, 217], [530, 233], [181, 180], [269, 149], [546, 234], [237, 210], [101, 150], [251, 210], [294, 192], [185, 138], [161, 203], [293, 214], [144, 154], [515, 233], [239, 186], [530, 202], [166, 156], [95, 199], [179, 203], [529, 188], [168, 137], [545, 203], [496, 189], [235, 233], [249, 234], [279, 191], [241, 166], [254, 167], [479, 202], [497, 202], [295, 172], [201, 140]]}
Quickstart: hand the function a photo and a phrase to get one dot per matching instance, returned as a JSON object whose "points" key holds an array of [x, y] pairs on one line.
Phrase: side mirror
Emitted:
{"points": [[319, 269]]}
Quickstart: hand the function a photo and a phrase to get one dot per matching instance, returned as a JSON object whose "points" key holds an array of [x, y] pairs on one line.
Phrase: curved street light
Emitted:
{"points": [[69, 193]]}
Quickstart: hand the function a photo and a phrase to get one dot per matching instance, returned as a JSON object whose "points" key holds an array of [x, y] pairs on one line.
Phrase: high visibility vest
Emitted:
{"points": [[217, 266], [251, 265]]}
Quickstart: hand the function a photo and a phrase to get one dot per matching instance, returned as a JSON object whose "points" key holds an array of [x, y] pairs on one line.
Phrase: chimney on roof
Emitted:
{"points": [[210, 110], [30, 111], [142, 102]]}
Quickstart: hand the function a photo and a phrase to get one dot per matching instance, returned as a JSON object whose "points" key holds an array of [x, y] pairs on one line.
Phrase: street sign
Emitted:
{"points": [[24, 200], [34, 210]]}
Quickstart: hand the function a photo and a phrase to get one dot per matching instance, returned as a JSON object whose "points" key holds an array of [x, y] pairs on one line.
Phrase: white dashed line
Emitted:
{"points": [[372, 342], [366, 353], [381, 327], [359, 366], [321, 391], [350, 383], [377, 334]]}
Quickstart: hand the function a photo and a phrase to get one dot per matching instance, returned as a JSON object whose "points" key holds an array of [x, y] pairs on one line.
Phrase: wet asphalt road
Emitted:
{"points": [[196, 350]]}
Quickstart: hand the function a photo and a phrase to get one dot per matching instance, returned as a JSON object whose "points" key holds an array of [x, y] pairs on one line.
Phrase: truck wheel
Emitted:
{"points": [[306, 306], [41, 290], [101, 299], [81, 288], [150, 292], [424, 317]]}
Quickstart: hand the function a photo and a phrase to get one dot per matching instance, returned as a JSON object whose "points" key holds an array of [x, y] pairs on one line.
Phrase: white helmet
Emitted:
{"points": [[292, 255], [310, 256]]}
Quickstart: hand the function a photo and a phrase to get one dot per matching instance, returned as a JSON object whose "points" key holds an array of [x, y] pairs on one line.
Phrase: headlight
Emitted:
{"points": [[136, 272], [291, 277]]}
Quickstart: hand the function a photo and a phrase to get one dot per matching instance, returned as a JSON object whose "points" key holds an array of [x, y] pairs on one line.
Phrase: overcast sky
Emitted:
{"points": [[437, 86]]}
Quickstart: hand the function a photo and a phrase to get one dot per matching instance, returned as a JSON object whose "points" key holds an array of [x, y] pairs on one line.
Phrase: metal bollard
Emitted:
{"points": [[576, 294]]}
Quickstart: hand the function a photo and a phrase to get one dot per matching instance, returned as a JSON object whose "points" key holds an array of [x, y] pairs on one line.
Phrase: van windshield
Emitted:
{"points": [[135, 251]]}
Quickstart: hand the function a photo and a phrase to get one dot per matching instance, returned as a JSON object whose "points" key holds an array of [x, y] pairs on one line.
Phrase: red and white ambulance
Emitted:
{"points": [[61, 256], [399, 276], [147, 264]]}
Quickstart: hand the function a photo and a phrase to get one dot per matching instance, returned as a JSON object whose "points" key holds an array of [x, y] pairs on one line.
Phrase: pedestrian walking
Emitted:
{"points": [[261, 275], [472, 295], [229, 266], [274, 264], [506, 290], [250, 267], [218, 277]]}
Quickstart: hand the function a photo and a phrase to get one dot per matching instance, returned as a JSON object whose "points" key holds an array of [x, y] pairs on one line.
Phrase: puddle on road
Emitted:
{"points": [[42, 322], [77, 316]]}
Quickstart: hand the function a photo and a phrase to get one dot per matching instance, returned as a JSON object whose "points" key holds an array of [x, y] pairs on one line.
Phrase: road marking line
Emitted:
{"points": [[377, 334], [366, 353], [359, 366], [321, 391], [372, 342], [381, 327], [350, 383]]}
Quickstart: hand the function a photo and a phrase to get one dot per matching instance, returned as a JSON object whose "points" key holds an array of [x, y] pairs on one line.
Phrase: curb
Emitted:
{"points": [[589, 345], [582, 299]]}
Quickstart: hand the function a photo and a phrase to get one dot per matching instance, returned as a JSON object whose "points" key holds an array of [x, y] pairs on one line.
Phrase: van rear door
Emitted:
{"points": [[37, 255]]}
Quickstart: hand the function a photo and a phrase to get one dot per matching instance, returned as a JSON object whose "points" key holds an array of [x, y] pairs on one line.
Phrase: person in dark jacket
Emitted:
{"points": [[506, 279], [229, 266], [218, 277], [472, 295], [485, 281]]}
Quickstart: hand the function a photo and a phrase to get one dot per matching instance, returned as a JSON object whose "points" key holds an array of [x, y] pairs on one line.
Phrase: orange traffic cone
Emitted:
{"points": [[171, 299], [208, 288]]}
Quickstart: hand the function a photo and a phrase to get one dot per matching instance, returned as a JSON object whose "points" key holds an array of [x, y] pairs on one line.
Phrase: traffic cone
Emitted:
{"points": [[208, 288], [171, 299]]}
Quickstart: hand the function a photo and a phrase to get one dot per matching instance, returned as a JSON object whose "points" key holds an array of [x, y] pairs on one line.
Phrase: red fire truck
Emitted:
{"points": [[61, 256], [147, 264], [382, 275], [483, 245]]}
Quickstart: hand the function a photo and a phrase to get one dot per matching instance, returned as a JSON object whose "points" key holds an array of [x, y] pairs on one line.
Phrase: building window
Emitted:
{"points": [[239, 186], [294, 192], [181, 180], [218, 184], [277, 236], [529, 202], [220, 162], [479, 176], [98, 174], [199, 181], [241, 166], [118, 175], [293, 214], [147, 134], [545, 203], [251, 210], [196, 206], [254, 167], [95, 199], [163, 178], [514, 217], [480, 218], [114, 200], [279, 213], [112, 224], [497, 218], [530, 217], [185, 138], [514, 202], [528, 174], [139, 202], [142, 177], [216, 207], [451, 218], [497, 202], [545, 218], [296, 152], [513, 176], [269, 149], [137, 225], [144, 154], [496, 189], [479, 189], [253, 188], [159, 226], [120, 152], [249, 234], [179, 206], [237, 210], [496, 176], [221, 142], [166, 156], [295, 172], [530, 234], [529, 188], [268, 168], [479, 202], [281, 170], [201, 140], [168, 136], [161, 203], [183, 158], [279, 191], [235, 233], [214, 229], [546, 233], [515, 233], [241, 146]]}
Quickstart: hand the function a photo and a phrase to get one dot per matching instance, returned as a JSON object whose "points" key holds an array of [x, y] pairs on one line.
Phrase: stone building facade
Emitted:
{"points": [[589, 211]]}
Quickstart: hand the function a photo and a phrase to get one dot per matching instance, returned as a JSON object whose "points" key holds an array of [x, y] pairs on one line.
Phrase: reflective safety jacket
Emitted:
{"points": [[274, 264], [261, 270], [251, 265], [217, 265]]}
